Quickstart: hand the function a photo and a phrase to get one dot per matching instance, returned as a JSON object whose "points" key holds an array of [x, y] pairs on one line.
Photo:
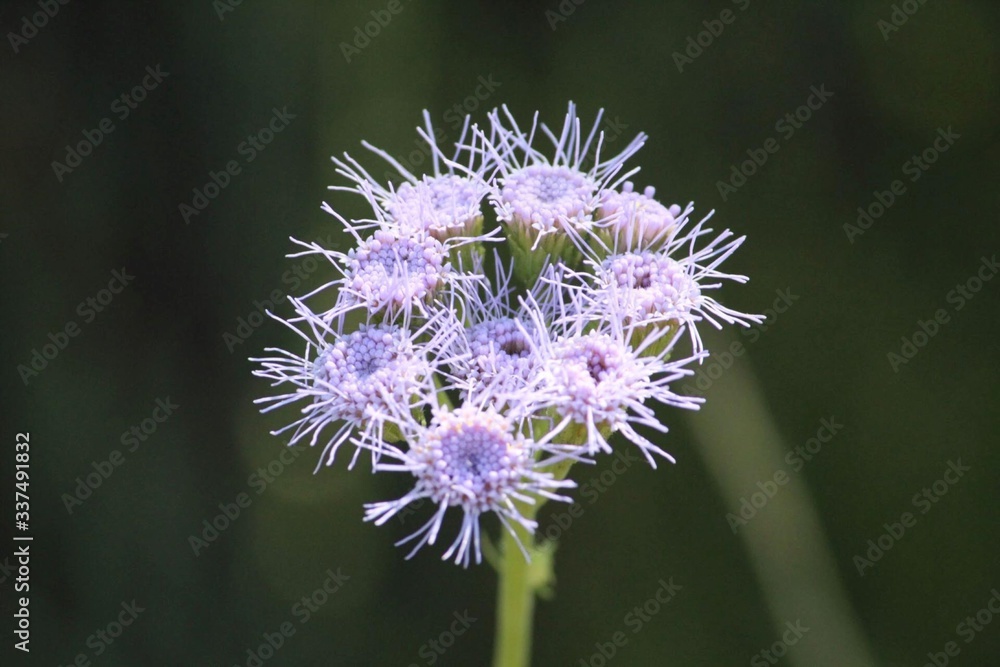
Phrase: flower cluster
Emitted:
{"points": [[482, 355]]}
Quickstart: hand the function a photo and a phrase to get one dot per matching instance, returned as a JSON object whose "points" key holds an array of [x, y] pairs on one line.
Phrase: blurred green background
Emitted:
{"points": [[228, 66]]}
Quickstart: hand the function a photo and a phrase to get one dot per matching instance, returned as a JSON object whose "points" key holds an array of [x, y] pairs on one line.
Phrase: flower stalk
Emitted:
{"points": [[516, 591]]}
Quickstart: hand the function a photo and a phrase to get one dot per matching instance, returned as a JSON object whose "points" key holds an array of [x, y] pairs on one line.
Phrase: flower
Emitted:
{"points": [[501, 359], [648, 287], [350, 381], [636, 220], [445, 204], [473, 459], [565, 335], [548, 204], [394, 272], [546, 197], [388, 274], [596, 383], [494, 357]]}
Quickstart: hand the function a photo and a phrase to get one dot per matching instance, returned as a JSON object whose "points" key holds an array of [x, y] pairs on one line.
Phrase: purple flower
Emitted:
{"points": [[547, 197], [635, 220], [549, 348], [394, 273], [596, 383], [347, 382], [547, 203], [446, 204], [472, 459], [652, 287]]}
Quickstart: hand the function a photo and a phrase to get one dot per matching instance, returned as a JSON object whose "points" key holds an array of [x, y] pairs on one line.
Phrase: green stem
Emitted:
{"points": [[520, 580], [516, 598], [442, 395]]}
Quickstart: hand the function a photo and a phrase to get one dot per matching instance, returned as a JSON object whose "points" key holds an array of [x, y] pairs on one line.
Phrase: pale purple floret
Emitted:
{"points": [[636, 220], [495, 356], [599, 382], [501, 358], [547, 197], [473, 459], [445, 203], [652, 286], [365, 366], [348, 381], [649, 287], [444, 206], [393, 273], [540, 195], [597, 375]]}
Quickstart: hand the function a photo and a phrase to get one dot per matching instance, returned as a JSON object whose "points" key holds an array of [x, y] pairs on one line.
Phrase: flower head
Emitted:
{"points": [[394, 272], [651, 286], [546, 197], [501, 358], [388, 274], [494, 358], [548, 347], [596, 383], [446, 206], [647, 287], [348, 382], [547, 203], [633, 220], [472, 459]]}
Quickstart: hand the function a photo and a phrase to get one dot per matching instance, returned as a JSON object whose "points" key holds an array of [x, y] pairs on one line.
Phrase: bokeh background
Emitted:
{"points": [[825, 357]]}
